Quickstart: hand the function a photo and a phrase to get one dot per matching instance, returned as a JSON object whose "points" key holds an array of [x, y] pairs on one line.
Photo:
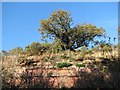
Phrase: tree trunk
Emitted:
{"points": [[71, 49]]}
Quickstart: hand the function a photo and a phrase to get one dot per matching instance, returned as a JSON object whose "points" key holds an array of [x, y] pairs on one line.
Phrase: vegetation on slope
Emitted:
{"points": [[69, 49]]}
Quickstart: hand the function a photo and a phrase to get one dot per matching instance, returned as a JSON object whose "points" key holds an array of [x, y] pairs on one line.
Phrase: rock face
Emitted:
{"points": [[53, 78]]}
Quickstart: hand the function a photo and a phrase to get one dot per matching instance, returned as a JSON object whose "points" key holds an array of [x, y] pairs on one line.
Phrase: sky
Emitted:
{"points": [[21, 20], [60, 0]]}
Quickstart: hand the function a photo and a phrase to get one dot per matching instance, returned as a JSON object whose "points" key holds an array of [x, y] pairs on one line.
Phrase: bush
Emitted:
{"points": [[34, 48], [80, 65], [29, 61], [47, 46], [107, 48], [65, 57], [21, 59], [89, 51], [84, 49], [52, 47], [83, 52], [16, 51], [63, 64]]}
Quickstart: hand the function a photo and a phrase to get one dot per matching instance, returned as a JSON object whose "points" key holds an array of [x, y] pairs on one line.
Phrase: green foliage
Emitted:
{"points": [[80, 65], [52, 47], [65, 56], [47, 46], [34, 48], [21, 59], [56, 47], [25, 60], [63, 64], [16, 51], [89, 51], [29, 61], [83, 52], [84, 49], [58, 26], [106, 47], [118, 46]]}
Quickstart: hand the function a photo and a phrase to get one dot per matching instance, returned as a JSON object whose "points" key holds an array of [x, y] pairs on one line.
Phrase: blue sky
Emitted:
{"points": [[20, 21]]}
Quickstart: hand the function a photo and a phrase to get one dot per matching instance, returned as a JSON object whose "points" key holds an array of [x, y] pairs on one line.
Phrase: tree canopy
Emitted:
{"points": [[60, 27]]}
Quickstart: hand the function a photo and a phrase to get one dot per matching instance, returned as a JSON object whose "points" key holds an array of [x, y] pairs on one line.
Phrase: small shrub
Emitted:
{"points": [[65, 57], [16, 51], [47, 46], [52, 47], [34, 48], [89, 51], [29, 61], [63, 64], [80, 65], [84, 49], [21, 59]]}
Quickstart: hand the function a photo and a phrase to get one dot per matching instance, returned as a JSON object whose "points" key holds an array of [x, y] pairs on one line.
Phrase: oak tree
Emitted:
{"points": [[60, 27]]}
